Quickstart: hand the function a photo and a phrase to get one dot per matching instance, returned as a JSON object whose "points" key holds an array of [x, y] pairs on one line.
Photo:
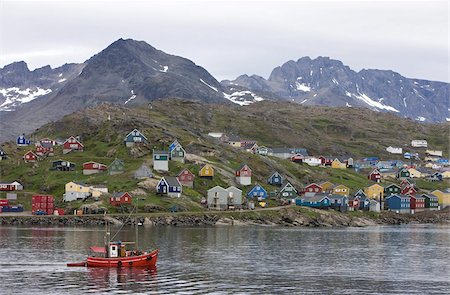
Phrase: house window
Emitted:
{"points": [[157, 157], [317, 189]]}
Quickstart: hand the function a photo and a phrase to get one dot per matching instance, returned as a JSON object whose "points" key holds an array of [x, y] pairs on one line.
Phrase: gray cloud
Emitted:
{"points": [[230, 38]]}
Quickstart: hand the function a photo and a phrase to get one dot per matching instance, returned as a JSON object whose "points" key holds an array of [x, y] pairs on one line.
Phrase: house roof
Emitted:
{"points": [[172, 181], [316, 198], [430, 196], [334, 197], [288, 184], [137, 131], [392, 184], [160, 152], [75, 139], [119, 194], [185, 169]]}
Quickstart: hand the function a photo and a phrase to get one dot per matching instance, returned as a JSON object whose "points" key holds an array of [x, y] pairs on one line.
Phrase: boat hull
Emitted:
{"points": [[146, 260]]}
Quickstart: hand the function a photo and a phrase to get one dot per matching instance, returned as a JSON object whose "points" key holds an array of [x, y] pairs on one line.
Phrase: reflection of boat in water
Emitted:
{"points": [[101, 277], [116, 254]]}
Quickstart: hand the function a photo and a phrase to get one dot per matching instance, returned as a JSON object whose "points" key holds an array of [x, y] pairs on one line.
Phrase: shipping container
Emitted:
{"points": [[50, 199], [4, 202]]}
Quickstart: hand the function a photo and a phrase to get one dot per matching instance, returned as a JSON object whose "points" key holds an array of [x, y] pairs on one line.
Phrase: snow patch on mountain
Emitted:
{"points": [[213, 88], [375, 104], [242, 98], [133, 96], [15, 96], [165, 69], [302, 87], [421, 119]]}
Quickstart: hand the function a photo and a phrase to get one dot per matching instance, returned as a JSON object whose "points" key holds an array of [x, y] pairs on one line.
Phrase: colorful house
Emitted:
{"points": [[340, 189], [22, 141], [3, 154], [45, 149], [402, 173], [62, 165], [72, 144], [143, 172], [135, 137], [161, 160], [408, 190], [244, 175], [30, 157], [325, 161], [338, 202], [375, 175], [360, 193], [326, 186], [353, 203], [297, 158], [446, 174], [392, 189], [431, 202], [398, 203], [419, 143], [177, 152], [170, 186], [312, 188], [207, 171], [312, 161], [186, 178], [375, 191], [436, 176], [93, 168], [320, 200], [417, 203], [275, 179], [116, 167], [13, 186], [257, 192], [288, 191], [443, 198], [374, 206], [120, 198], [219, 198], [337, 164], [76, 191], [414, 173], [262, 150]]}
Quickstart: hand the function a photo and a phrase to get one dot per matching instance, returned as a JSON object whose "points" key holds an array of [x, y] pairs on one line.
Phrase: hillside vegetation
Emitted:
{"points": [[322, 130]]}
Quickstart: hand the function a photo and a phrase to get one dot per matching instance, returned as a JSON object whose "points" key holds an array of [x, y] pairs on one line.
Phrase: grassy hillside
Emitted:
{"points": [[323, 131]]}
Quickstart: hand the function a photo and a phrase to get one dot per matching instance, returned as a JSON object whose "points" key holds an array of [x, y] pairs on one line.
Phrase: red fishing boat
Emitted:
{"points": [[116, 254]]}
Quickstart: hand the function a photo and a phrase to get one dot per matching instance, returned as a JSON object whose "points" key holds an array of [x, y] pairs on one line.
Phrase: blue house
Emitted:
{"points": [[275, 179], [319, 200], [436, 176], [398, 203], [257, 192], [170, 186], [360, 193], [3, 154], [23, 141], [135, 137], [338, 202]]}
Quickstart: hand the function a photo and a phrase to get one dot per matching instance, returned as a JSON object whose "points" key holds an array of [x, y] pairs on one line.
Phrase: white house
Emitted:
{"points": [[161, 160], [419, 143], [312, 161], [394, 150], [433, 153]]}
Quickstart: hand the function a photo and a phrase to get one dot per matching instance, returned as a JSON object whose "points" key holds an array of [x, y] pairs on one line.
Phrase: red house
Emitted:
{"points": [[72, 144], [297, 158], [312, 188], [417, 203], [30, 156], [375, 175], [7, 187], [118, 199], [244, 175], [44, 150], [186, 178], [408, 190], [354, 203], [93, 167], [325, 161]]}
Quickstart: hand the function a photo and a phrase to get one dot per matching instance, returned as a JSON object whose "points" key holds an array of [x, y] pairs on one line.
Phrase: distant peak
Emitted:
{"points": [[17, 66]]}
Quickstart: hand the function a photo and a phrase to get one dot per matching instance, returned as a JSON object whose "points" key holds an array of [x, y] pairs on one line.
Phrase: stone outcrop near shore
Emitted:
{"points": [[291, 216]]}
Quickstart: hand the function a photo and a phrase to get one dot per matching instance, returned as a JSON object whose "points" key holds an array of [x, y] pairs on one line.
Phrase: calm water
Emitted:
{"points": [[245, 260]]}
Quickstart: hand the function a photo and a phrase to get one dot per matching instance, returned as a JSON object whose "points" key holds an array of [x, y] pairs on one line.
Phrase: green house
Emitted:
{"points": [[403, 173], [391, 189], [116, 167]]}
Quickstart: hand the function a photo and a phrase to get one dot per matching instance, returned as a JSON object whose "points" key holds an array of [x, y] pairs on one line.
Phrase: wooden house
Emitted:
{"points": [[436, 176], [374, 206], [375, 191], [319, 200], [244, 175], [72, 144], [360, 193], [407, 181], [408, 190], [170, 186], [375, 175], [419, 143], [207, 171], [22, 141], [30, 157], [76, 191], [3, 154], [394, 150], [431, 202], [262, 150], [297, 158], [288, 191], [45, 149], [325, 161], [443, 198], [219, 198], [398, 203], [364, 202], [353, 203], [434, 153], [326, 186], [338, 202], [402, 173], [312, 161], [177, 152], [337, 164], [312, 188], [143, 172], [275, 179], [340, 189], [120, 198], [62, 165], [287, 153], [160, 160], [13, 186], [446, 174], [257, 192], [135, 137], [92, 167], [414, 173], [392, 189], [250, 147], [417, 203], [186, 178], [116, 167]]}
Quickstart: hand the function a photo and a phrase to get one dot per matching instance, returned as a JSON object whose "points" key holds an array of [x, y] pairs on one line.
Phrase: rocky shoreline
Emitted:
{"points": [[293, 216]]}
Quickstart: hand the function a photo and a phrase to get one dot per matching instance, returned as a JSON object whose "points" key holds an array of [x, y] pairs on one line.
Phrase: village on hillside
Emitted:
{"points": [[393, 186]]}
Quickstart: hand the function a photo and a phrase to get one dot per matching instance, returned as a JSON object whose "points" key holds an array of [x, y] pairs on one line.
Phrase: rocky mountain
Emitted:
{"points": [[324, 81]]}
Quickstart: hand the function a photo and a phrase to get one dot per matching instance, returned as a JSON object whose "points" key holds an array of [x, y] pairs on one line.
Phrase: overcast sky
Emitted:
{"points": [[230, 38]]}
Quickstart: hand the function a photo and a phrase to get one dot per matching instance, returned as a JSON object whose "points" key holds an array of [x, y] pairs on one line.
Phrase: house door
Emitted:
{"points": [[164, 189]]}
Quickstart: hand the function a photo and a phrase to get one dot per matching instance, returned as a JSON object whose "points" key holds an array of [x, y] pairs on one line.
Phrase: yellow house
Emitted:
{"points": [[326, 186], [235, 143], [206, 171], [375, 191], [446, 174], [340, 189], [443, 198], [77, 191], [336, 164], [413, 173], [77, 187]]}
